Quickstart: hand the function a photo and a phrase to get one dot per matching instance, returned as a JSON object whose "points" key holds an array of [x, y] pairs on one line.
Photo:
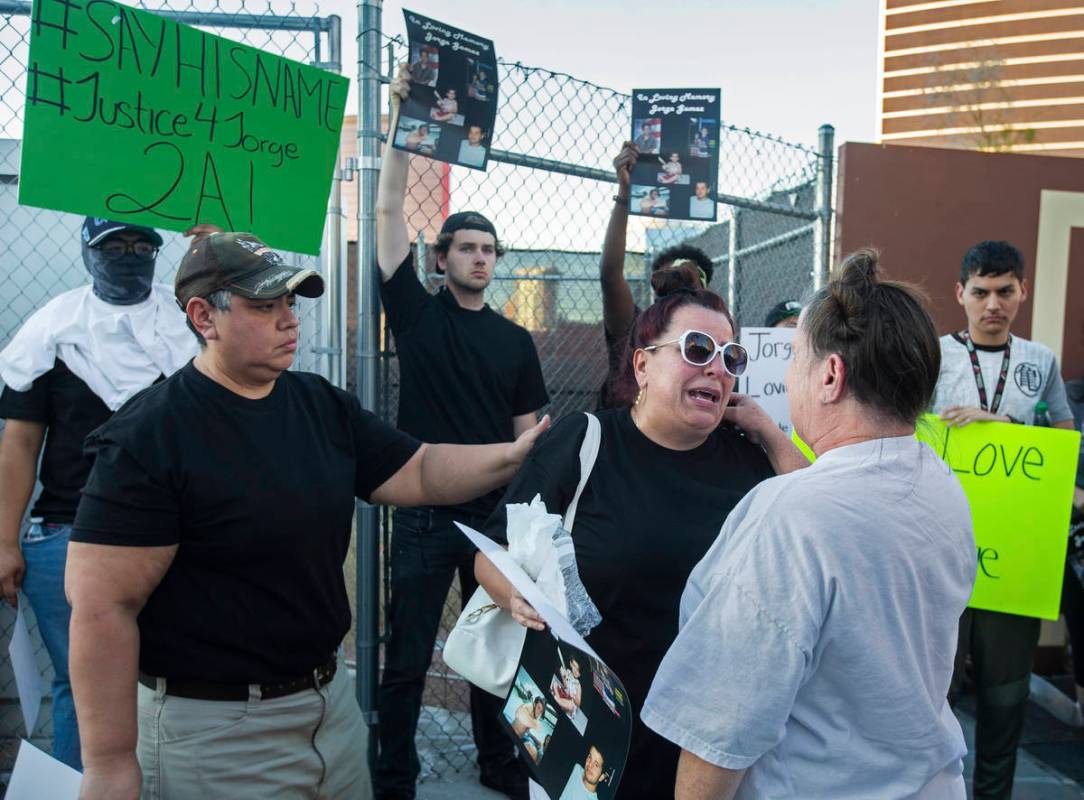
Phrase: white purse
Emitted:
{"points": [[485, 644]]}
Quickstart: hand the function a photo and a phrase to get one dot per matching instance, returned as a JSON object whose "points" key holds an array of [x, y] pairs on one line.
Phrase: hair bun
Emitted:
{"points": [[860, 271], [683, 277]]}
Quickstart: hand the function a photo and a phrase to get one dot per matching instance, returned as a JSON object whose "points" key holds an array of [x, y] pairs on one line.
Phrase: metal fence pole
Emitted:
{"points": [[368, 353], [333, 316], [822, 255], [732, 262]]}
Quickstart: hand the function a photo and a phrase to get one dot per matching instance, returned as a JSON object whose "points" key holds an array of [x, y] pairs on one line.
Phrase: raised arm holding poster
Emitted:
{"points": [[677, 132], [134, 117], [452, 106]]}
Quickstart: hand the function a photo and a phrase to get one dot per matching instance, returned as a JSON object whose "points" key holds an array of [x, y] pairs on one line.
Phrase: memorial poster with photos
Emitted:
{"points": [[452, 106], [677, 132], [568, 712], [570, 717]]}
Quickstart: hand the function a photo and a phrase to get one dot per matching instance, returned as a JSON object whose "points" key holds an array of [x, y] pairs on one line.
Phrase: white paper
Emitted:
{"points": [[39, 776], [560, 626], [25, 666], [764, 379]]}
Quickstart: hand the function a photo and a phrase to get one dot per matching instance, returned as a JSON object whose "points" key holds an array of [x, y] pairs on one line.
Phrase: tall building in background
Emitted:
{"points": [[983, 74]]}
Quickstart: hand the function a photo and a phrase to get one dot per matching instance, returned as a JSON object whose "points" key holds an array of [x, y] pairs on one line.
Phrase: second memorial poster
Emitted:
{"points": [[677, 133]]}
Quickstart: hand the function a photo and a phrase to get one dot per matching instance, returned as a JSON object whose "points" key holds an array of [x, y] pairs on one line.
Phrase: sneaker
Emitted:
{"points": [[509, 779]]}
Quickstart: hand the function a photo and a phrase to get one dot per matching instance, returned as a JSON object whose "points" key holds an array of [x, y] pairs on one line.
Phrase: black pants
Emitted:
{"points": [[1002, 647], [426, 551]]}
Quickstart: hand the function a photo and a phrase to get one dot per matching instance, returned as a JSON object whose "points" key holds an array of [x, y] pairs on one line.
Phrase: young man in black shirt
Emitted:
{"points": [[207, 557], [69, 367], [468, 376]]}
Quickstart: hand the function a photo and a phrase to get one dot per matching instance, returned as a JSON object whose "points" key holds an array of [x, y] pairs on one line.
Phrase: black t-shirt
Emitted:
{"points": [[259, 497], [70, 410], [616, 354], [463, 374], [646, 517]]}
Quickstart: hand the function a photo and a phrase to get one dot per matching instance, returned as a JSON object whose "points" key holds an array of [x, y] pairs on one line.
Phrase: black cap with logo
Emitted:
{"points": [[96, 229], [243, 265]]}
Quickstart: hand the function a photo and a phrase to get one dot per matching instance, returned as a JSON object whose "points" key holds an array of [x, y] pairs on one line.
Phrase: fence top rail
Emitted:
{"points": [[209, 19], [399, 40]]}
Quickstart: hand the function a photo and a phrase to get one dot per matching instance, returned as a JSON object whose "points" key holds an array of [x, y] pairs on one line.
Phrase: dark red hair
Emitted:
{"points": [[675, 289]]}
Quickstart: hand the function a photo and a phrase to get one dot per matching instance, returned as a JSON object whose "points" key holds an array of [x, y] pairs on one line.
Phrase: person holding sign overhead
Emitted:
{"points": [[812, 658], [205, 571], [73, 363], [619, 309], [468, 375], [990, 375]]}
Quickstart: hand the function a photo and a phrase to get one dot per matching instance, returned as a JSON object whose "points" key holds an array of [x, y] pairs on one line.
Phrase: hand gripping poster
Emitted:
{"points": [[567, 711], [677, 133], [452, 106]]}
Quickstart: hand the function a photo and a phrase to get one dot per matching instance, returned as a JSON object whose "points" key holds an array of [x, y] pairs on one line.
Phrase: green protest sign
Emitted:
{"points": [[134, 117], [1019, 480]]}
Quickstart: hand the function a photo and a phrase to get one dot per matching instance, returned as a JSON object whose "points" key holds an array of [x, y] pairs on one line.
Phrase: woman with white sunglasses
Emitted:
{"points": [[668, 472]]}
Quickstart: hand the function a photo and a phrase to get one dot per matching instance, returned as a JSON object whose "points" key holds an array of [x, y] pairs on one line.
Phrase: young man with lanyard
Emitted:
{"points": [[619, 309], [73, 363], [468, 376], [989, 375]]}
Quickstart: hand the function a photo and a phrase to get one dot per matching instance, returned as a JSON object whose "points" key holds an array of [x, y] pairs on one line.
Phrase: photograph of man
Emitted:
{"points": [[531, 718], [413, 134], [648, 140], [472, 153], [467, 375], [446, 108], [701, 205], [423, 67], [784, 314], [583, 782], [205, 570], [71, 365], [651, 200], [671, 170]]}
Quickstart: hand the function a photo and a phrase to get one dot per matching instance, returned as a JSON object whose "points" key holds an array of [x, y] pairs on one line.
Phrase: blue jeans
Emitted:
{"points": [[45, 549]]}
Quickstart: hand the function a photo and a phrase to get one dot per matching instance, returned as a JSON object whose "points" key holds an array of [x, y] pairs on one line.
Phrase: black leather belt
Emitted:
{"points": [[212, 690]]}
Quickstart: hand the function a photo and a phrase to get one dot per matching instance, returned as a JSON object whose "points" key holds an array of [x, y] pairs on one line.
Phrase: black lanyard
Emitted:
{"points": [[999, 390]]}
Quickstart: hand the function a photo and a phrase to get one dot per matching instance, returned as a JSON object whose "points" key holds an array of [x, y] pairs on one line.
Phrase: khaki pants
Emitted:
{"points": [[306, 746]]}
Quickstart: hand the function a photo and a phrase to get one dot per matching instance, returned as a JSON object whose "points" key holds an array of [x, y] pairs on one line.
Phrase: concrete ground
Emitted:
{"points": [[1034, 779]]}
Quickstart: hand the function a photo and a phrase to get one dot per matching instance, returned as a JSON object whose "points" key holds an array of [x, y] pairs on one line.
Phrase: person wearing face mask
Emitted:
{"points": [[72, 364]]}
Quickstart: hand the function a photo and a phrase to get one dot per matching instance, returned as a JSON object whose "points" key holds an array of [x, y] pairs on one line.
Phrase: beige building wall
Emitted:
{"points": [[983, 74]]}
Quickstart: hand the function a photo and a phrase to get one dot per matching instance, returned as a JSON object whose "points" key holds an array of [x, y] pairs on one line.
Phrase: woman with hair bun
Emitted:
{"points": [[818, 633], [669, 470]]}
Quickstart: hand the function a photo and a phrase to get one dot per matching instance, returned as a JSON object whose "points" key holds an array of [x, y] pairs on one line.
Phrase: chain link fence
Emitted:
{"points": [[40, 250], [548, 190]]}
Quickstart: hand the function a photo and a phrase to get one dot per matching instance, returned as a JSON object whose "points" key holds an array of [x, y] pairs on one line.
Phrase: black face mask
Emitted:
{"points": [[123, 281]]}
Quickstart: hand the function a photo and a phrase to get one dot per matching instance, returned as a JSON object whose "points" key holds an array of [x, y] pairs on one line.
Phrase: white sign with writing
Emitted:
{"points": [[764, 379]]}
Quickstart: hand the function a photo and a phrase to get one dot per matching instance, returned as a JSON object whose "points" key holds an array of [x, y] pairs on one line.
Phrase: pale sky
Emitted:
{"points": [[784, 66]]}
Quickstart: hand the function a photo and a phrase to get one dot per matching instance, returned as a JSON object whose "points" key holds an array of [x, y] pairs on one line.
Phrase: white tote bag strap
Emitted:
{"points": [[588, 454]]}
